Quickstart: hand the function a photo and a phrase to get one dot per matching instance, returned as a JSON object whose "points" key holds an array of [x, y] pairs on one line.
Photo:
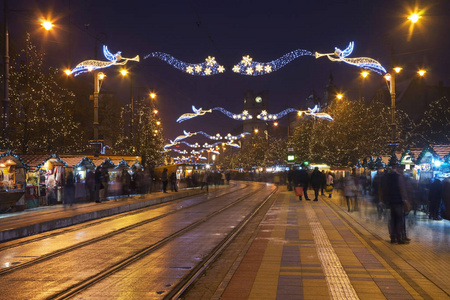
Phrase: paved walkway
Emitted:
{"points": [[318, 250]]}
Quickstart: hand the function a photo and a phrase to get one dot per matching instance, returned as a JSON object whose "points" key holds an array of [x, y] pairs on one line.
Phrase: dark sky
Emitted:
{"points": [[228, 30]]}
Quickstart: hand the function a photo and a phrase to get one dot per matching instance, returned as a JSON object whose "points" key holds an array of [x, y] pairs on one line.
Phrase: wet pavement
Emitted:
{"points": [[319, 250], [302, 249]]}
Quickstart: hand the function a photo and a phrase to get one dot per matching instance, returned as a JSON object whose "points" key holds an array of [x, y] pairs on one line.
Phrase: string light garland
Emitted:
{"points": [[207, 68], [361, 62], [310, 112], [200, 112], [245, 67], [91, 65], [254, 68]]}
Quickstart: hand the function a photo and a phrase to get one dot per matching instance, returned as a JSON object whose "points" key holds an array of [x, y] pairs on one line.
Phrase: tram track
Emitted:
{"points": [[65, 250], [92, 280], [61, 231]]}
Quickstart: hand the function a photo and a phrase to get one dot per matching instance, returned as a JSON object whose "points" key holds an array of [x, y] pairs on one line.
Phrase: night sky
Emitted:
{"points": [[228, 30]]}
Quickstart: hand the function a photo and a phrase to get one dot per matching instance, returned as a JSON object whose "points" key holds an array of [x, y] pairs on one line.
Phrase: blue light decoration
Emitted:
{"points": [[310, 112], [361, 62], [200, 112], [113, 60], [209, 67], [245, 67], [253, 68]]}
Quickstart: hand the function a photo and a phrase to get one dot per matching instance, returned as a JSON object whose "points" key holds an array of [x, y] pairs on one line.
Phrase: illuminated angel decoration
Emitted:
{"points": [[310, 112], [200, 112], [113, 60], [197, 112], [186, 135], [361, 62]]}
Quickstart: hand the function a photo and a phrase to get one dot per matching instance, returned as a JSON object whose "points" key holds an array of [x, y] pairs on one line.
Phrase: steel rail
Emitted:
{"points": [[85, 284], [184, 285], [54, 254]]}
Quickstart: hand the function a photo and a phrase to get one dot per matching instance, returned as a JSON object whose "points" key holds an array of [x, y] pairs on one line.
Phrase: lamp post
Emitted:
{"points": [[124, 72], [364, 75], [98, 80], [6, 100], [48, 25]]}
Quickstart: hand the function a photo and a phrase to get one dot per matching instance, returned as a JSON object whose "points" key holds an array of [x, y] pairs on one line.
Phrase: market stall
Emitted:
{"points": [[48, 171], [12, 182]]}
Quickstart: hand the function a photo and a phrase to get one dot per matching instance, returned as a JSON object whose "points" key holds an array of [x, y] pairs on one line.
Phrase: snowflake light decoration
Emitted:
{"points": [[310, 112], [207, 68]]}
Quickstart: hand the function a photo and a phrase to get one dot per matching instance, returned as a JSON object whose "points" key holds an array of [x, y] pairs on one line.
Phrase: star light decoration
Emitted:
{"points": [[200, 112], [310, 112], [245, 67], [253, 68], [361, 62], [207, 68], [91, 65]]}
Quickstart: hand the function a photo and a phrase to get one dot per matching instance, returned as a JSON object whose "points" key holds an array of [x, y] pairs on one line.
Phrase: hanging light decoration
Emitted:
{"points": [[361, 62]]}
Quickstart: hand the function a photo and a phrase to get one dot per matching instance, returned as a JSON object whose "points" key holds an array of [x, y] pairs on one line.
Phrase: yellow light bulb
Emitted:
{"points": [[414, 18]]}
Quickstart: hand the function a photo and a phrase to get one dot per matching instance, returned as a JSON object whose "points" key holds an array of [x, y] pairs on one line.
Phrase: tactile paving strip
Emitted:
{"points": [[335, 275]]}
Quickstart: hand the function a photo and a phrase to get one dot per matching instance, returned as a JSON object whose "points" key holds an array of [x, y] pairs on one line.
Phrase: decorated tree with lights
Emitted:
{"points": [[434, 127], [276, 153], [357, 131], [41, 109], [149, 137]]}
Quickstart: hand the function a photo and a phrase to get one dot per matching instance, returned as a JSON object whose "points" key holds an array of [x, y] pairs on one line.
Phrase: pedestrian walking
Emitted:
{"points": [[69, 189], [98, 183], [205, 178], [395, 196], [329, 184], [165, 180], [323, 183], [90, 185], [173, 182], [300, 178], [316, 182], [349, 190], [435, 199]]}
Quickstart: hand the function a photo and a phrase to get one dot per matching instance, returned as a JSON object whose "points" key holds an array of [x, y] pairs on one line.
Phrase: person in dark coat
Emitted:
{"points": [[98, 183], [394, 195], [316, 182], [300, 178], [435, 199], [173, 182], [90, 185], [323, 183], [69, 189], [165, 180]]}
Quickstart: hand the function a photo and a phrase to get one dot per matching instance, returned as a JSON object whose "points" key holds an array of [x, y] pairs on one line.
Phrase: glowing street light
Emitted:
{"points": [[364, 74], [421, 72], [153, 95], [414, 18], [340, 96], [47, 25]]}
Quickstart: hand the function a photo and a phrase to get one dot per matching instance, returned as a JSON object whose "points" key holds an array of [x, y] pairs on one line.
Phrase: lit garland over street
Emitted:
{"points": [[91, 65], [361, 62], [310, 112]]}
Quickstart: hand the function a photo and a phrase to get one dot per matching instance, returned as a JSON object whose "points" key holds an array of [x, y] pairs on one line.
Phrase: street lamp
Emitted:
{"points": [[98, 80], [124, 73], [364, 75], [340, 96], [6, 101], [48, 25]]}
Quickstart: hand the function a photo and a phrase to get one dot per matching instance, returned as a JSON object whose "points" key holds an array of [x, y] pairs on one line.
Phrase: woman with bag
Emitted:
{"points": [[329, 184]]}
